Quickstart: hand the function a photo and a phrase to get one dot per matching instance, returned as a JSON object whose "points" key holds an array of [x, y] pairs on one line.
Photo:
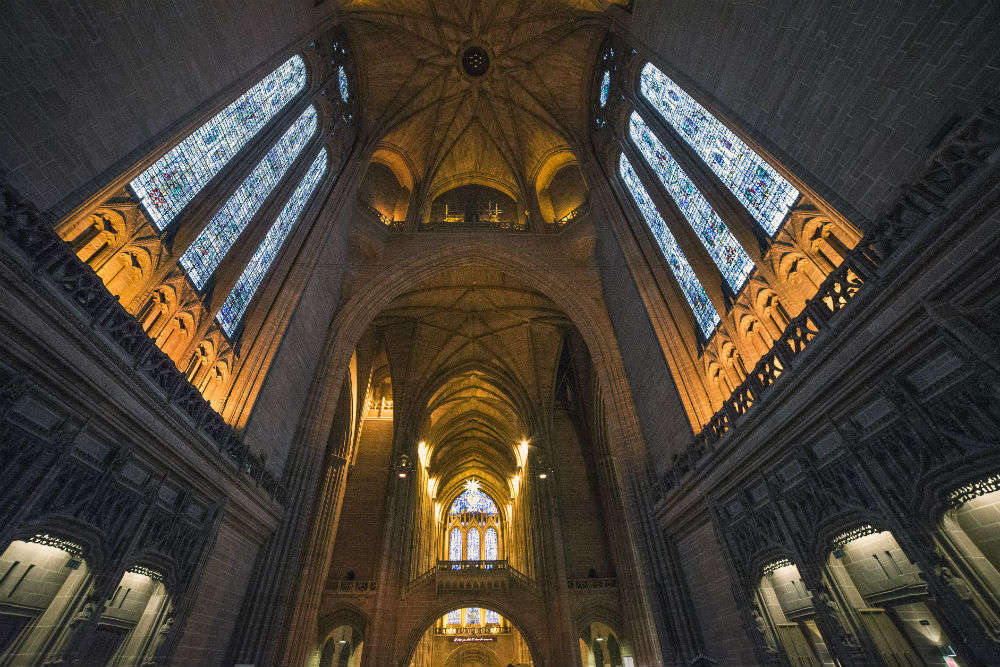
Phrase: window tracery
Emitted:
{"points": [[231, 313], [206, 252], [762, 190], [704, 312], [173, 180], [725, 250]]}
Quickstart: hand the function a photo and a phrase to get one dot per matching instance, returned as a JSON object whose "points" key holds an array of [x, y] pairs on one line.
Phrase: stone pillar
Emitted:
{"points": [[949, 594], [74, 649], [843, 645], [302, 624]]}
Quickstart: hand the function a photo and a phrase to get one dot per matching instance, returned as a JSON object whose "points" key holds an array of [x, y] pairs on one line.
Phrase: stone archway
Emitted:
{"points": [[522, 613], [543, 262]]}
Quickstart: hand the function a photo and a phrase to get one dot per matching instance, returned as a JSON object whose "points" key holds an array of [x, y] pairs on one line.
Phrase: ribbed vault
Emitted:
{"points": [[495, 129], [474, 357]]}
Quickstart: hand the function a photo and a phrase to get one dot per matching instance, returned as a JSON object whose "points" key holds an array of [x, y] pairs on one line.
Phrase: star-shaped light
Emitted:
{"points": [[472, 486]]}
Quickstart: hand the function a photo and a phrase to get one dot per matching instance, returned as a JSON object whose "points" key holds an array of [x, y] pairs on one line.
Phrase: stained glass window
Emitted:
{"points": [[206, 251], [763, 191], [728, 254], [455, 544], [472, 544], [342, 83], [472, 616], [173, 180], [704, 311], [490, 544], [473, 500], [605, 87], [454, 617], [492, 616], [239, 298]]}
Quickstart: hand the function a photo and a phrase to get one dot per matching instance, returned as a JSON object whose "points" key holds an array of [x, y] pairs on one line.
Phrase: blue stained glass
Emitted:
{"points": [[239, 298], [472, 616], [490, 544], [704, 311], [342, 83], [206, 251], [455, 544], [492, 616], [454, 617], [605, 87], [173, 180], [472, 544], [762, 190], [728, 254], [473, 501]]}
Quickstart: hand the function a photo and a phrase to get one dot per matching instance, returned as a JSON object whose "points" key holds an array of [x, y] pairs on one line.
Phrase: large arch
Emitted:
{"points": [[421, 256], [519, 615]]}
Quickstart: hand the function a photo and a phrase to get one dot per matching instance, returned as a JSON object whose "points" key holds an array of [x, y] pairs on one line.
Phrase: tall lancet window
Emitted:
{"points": [[455, 544], [172, 181], [763, 191], [728, 254], [232, 310], [704, 312], [472, 545], [204, 254], [490, 544]]}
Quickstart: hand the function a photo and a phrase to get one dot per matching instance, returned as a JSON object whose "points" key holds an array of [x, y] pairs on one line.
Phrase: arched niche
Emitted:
{"points": [[387, 184], [560, 186]]}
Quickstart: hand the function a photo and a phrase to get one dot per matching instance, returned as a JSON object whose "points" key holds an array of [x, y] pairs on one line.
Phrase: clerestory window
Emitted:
{"points": [[704, 312], [166, 187], [765, 193]]}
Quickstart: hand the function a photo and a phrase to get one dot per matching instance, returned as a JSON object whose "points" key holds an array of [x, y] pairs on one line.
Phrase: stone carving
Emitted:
{"points": [[54, 261]]}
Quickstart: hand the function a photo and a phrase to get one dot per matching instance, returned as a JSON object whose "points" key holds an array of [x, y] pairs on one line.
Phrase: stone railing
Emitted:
{"points": [[592, 582], [355, 586], [367, 207], [482, 225], [57, 270], [572, 216], [471, 575], [963, 154], [474, 631]]}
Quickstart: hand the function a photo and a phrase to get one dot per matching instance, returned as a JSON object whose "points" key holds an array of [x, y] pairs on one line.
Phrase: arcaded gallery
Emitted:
{"points": [[500, 333]]}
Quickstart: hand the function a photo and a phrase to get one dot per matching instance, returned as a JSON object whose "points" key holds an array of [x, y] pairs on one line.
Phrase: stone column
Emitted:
{"points": [[843, 645]]}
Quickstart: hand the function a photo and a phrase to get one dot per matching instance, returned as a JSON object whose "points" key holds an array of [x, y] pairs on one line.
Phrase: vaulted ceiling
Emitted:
{"points": [[452, 127], [473, 357]]}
